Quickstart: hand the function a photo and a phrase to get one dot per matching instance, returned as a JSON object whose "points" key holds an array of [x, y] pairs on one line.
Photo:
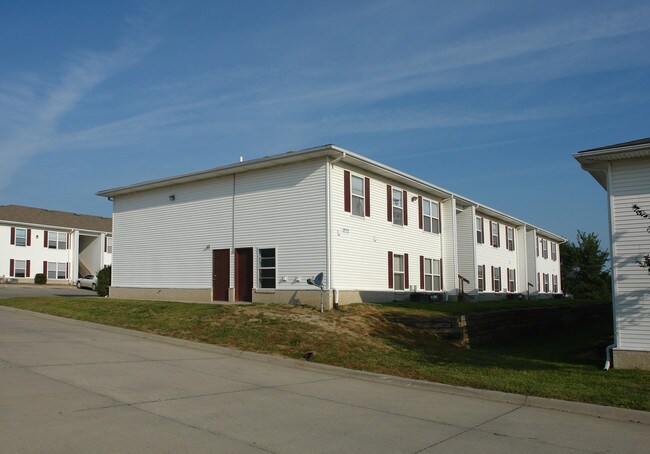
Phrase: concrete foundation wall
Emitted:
{"points": [[203, 295], [631, 359]]}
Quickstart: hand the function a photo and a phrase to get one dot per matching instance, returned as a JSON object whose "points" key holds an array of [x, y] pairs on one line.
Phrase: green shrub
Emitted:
{"points": [[40, 279], [103, 281]]}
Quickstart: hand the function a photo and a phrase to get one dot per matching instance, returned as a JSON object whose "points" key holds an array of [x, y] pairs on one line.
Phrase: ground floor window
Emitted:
{"points": [[266, 268], [57, 270], [398, 272], [512, 282], [481, 278], [546, 286], [432, 277], [19, 268], [555, 283], [496, 278]]}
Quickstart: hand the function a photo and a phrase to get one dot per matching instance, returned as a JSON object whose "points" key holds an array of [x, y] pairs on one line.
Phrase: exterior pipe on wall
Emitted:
{"points": [[608, 356], [336, 298]]}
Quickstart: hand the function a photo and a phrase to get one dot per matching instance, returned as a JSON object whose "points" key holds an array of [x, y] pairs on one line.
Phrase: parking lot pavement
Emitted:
{"points": [[20, 290], [69, 386]]}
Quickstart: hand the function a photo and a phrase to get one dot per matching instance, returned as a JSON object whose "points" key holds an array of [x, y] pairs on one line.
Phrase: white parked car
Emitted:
{"points": [[88, 281]]}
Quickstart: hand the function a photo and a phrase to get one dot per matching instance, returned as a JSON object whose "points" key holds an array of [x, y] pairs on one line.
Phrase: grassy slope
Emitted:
{"points": [[560, 365]]}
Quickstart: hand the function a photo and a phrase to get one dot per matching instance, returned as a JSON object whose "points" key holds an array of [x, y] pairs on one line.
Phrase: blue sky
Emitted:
{"points": [[487, 99]]}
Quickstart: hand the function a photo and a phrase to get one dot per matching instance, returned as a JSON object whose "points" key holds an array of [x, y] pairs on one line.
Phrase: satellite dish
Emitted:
{"points": [[317, 281]]}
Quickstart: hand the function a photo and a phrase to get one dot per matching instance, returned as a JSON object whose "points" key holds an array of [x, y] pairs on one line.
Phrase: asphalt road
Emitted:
{"points": [[69, 386]]}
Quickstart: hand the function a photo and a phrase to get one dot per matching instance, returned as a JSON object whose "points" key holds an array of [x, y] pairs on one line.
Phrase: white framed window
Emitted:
{"points": [[398, 272], [481, 278], [510, 238], [494, 228], [20, 266], [109, 244], [430, 216], [555, 283], [544, 248], [553, 251], [57, 270], [512, 281], [57, 240], [357, 194], [266, 268], [546, 286], [398, 207], [21, 238], [480, 236], [432, 276], [496, 278]]}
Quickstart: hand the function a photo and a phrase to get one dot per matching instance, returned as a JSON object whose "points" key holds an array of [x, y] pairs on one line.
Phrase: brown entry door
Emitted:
{"points": [[244, 274], [220, 274]]}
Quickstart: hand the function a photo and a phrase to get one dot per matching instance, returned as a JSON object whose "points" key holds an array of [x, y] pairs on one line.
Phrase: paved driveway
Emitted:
{"points": [[17, 291], [68, 386]]}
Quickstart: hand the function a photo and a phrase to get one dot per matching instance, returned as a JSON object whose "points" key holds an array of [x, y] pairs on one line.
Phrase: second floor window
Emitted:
{"points": [[510, 238], [553, 251], [480, 238], [544, 249], [57, 240], [398, 207], [494, 231], [358, 196], [430, 216], [21, 238]]}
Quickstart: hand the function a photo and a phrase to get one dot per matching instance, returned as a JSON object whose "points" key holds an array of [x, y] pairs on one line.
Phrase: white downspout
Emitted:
{"points": [[608, 350]]}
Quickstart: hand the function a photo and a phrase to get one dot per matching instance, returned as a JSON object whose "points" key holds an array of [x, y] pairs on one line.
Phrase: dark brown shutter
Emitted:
{"points": [[45, 268], [500, 280], [13, 235], [514, 280], [105, 244], [442, 286], [28, 267], [538, 287], [483, 234], [389, 200], [45, 239], [491, 235], [406, 271], [492, 273], [537, 244], [67, 270], [420, 211], [346, 190], [390, 269], [11, 267], [29, 237], [421, 272], [508, 278], [439, 219], [406, 204], [367, 194], [498, 235]]}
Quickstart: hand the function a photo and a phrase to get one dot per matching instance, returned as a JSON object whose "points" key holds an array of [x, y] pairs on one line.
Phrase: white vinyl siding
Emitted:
{"points": [[499, 256], [360, 244], [630, 185], [163, 243]]}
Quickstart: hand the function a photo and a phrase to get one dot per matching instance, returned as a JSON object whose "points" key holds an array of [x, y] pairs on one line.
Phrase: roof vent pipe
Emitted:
{"points": [[241, 159]]}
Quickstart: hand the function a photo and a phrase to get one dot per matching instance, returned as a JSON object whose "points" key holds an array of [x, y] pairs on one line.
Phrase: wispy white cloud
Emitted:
{"points": [[37, 105]]}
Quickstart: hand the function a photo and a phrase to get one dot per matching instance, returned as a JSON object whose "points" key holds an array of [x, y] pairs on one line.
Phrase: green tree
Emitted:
{"points": [[585, 274], [103, 281]]}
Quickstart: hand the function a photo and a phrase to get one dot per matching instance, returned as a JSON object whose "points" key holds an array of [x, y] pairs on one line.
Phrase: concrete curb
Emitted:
{"points": [[599, 411]]}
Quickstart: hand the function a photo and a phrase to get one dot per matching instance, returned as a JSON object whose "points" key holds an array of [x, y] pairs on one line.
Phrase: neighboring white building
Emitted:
{"points": [[624, 171], [59, 244], [257, 230]]}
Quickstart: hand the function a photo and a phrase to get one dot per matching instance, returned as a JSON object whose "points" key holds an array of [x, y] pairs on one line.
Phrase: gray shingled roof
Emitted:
{"points": [[40, 216], [620, 145]]}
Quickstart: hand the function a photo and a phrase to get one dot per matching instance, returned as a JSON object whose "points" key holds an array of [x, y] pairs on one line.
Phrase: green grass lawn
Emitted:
{"points": [[561, 365]]}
